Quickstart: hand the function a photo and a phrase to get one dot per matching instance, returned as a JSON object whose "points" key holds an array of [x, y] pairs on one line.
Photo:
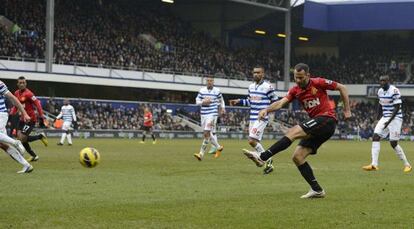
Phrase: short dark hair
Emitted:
{"points": [[301, 66], [21, 78]]}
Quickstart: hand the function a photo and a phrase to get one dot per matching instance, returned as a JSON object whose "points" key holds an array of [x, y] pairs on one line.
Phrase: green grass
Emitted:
{"points": [[163, 186]]}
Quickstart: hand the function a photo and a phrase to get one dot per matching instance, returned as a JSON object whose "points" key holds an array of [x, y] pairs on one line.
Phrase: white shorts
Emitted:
{"points": [[67, 126], [209, 123], [4, 117], [256, 129], [394, 128]]}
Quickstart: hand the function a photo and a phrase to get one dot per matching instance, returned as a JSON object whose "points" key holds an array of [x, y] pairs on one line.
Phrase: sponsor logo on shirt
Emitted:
{"points": [[311, 103]]}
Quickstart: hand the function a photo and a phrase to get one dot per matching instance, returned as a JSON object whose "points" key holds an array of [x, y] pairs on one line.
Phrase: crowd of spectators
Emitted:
{"points": [[98, 115], [123, 34]]}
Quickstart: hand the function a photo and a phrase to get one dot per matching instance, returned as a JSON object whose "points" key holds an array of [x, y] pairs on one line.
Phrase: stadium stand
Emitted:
{"points": [[101, 115], [157, 40]]}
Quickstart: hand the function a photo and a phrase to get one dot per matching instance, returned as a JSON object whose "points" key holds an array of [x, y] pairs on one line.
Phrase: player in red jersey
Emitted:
{"points": [[29, 101], [148, 123], [312, 93]]}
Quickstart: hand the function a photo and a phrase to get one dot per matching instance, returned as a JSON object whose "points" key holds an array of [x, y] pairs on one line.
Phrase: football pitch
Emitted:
{"points": [[163, 186]]}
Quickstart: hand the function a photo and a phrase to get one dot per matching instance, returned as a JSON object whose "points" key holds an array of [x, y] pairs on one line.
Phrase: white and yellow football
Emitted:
{"points": [[89, 157]]}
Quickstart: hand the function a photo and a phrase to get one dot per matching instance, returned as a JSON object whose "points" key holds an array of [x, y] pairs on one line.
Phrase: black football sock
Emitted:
{"points": [[153, 137], [29, 149], [34, 138], [307, 173], [280, 145], [143, 137]]}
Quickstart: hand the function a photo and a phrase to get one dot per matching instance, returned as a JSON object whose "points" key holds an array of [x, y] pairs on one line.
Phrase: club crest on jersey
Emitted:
{"points": [[314, 91], [311, 103]]}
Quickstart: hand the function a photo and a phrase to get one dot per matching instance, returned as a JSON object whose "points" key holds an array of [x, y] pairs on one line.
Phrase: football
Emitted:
{"points": [[89, 157]]}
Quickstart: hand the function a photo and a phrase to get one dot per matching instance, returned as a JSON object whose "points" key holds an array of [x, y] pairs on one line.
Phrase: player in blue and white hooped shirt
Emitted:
{"points": [[11, 146], [389, 124], [261, 95], [212, 104], [67, 113]]}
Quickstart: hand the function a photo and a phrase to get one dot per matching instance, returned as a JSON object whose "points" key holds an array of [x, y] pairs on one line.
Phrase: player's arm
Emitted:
{"points": [[379, 111], [343, 91], [202, 102], [73, 114], [36, 103], [17, 106], [59, 115], [222, 105], [273, 107], [240, 102], [272, 95], [39, 108], [13, 111]]}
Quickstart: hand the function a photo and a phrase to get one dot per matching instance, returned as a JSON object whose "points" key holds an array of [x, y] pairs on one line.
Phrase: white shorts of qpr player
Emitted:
{"points": [[67, 126], [209, 123], [256, 129], [393, 129]]}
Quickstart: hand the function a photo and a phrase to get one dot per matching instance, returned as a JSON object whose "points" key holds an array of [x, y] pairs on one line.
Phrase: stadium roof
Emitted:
{"points": [[357, 15], [299, 2]]}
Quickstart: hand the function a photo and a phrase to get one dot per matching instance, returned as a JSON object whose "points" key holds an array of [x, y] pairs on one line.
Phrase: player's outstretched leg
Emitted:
{"points": [[42, 137], [17, 156], [260, 159], [259, 149], [400, 153], [33, 155]]}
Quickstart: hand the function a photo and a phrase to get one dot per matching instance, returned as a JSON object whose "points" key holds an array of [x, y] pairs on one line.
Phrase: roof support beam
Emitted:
{"points": [[270, 4]]}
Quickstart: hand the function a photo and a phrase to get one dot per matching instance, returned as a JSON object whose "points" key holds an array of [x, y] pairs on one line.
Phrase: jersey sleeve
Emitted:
{"points": [[291, 95], [73, 113], [271, 94], [326, 84], [199, 98], [3, 89], [396, 96]]}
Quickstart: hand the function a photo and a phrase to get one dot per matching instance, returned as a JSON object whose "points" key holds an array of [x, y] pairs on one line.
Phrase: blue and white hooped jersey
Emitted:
{"points": [[388, 99], [216, 101], [261, 95], [3, 92], [67, 113]]}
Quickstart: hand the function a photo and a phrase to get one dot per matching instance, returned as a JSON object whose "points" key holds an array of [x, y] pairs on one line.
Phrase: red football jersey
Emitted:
{"points": [[29, 101], [314, 98], [148, 119]]}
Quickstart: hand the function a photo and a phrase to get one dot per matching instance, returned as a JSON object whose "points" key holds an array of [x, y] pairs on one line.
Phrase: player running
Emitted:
{"points": [[11, 146], [148, 123], [312, 93], [389, 124], [212, 103], [29, 101], [67, 113], [261, 95]]}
